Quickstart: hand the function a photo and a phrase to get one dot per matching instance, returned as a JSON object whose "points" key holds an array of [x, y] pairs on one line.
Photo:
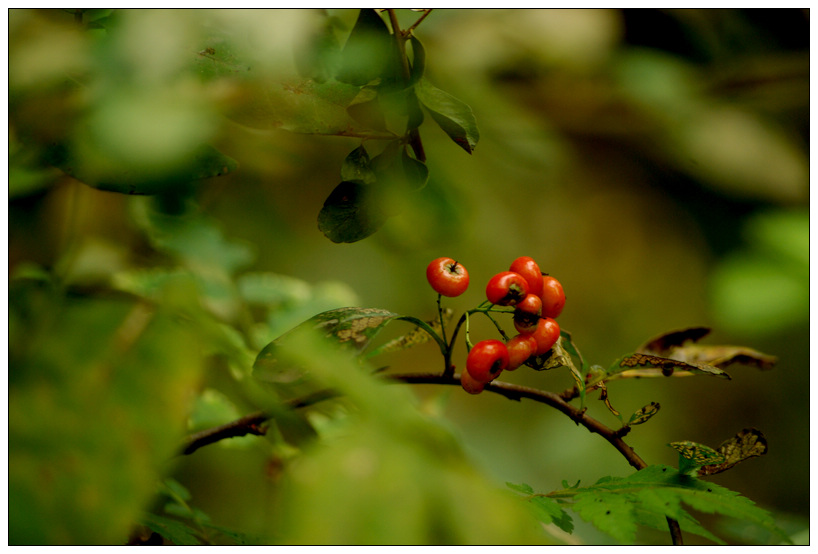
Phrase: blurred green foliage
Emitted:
{"points": [[655, 161]]}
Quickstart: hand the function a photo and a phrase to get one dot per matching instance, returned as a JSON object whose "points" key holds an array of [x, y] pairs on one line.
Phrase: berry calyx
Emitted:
{"points": [[527, 313], [486, 360], [546, 334], [528, 268], [447, 277], [506, 288], [520, 349], [553, 297]]}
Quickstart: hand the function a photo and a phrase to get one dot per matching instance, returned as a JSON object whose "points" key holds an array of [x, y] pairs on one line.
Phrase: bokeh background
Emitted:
{"points": [[654, 161]]}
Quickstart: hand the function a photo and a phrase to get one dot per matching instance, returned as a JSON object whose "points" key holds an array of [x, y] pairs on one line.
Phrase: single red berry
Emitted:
{"points": [[546, 335], [470, 385], [447, 277], [506, 288], [520, 348], [486, 360], [528, 268], [527, 313], [553, 297]]}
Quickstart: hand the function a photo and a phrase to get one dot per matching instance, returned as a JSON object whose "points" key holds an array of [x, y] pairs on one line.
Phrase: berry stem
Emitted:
{"points": [[440, 315]]}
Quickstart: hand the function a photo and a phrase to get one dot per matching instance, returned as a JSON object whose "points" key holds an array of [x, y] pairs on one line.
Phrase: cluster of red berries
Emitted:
{"points": [[537, 300]]}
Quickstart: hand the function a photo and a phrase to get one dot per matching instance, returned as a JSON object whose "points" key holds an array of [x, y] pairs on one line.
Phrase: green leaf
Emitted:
{"points": [[616, 505], [453, 116], [418, 335], [348, 329], [415, 172], [175, 531], [302, 106], [358, 167], [418, 60], [320, 56], [203, 162], [393, 476], [368, 51], [550, 511], [175, 489], [98, 395], [571, 348], [397, 172], [523, 488], [653, 510], [355, 326], [369, 114], [193, 238], [351, 212], [611, 512]]}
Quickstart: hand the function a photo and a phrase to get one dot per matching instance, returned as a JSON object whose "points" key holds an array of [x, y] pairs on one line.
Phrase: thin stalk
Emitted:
{"points": [[412, 135]]}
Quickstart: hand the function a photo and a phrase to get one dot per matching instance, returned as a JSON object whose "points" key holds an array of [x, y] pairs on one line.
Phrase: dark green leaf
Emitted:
{"points": [[358, 167], [351, 212], [369, 114], [418, 60], [204, 163], [175, 531], [368, 51], [414, 113], [415, 172], [454, 117], [397, 172]]}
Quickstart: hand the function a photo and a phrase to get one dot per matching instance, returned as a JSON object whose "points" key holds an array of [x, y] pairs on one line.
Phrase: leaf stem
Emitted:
{"points": [[412, 27], [413, 135]]}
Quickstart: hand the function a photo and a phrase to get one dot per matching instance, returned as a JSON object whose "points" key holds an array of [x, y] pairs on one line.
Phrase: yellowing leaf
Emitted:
{"points": [[747, 443]]}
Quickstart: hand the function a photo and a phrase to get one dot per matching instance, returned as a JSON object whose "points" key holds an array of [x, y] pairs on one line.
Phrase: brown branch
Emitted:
{"points": [[518, 392], [254, 424]]}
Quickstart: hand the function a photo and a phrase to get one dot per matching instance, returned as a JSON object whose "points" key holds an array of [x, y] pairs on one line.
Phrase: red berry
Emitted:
{"points": [[506, 288], [447, 277], [553, 297], [520, 348], [546, 335], [470, 385], [530, 271], [486, 360], [527, 313]]}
